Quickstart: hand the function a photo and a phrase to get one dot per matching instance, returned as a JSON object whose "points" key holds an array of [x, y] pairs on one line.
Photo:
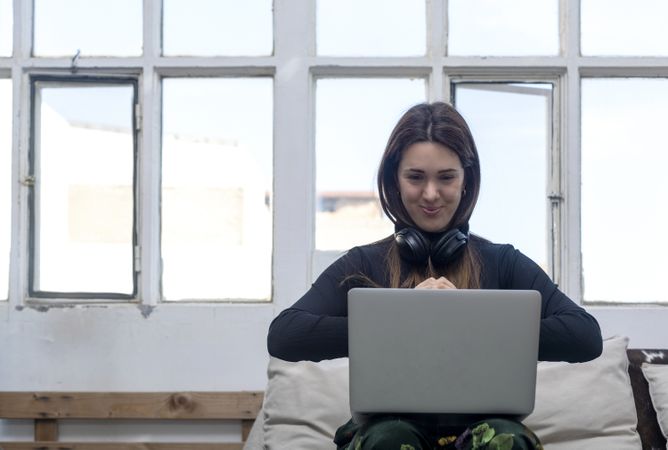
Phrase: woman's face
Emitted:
{"points": [[431, 181]]}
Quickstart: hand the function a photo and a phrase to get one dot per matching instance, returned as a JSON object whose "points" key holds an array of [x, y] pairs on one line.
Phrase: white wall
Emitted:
{"points": [[118, 348]]}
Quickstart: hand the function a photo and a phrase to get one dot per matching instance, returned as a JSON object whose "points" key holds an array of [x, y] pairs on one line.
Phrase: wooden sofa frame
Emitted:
{"points": [[47, 409]]}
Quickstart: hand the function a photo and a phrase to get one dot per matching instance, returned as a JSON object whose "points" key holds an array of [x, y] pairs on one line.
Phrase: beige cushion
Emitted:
{"points": [[657, 377], [578, 406], [305, 403], [588, 405]]}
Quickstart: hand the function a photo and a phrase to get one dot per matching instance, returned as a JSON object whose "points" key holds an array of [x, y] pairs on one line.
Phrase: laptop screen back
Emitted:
{"points": [[443, 351]]}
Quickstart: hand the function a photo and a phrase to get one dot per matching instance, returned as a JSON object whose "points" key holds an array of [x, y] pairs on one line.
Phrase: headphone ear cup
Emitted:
{"points": [[412, 245], [448, 246]]}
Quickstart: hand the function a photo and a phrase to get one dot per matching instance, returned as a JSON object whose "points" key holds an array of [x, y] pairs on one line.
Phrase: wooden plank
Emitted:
{"points": [[117, 446], [130, 405], [46, 430]]}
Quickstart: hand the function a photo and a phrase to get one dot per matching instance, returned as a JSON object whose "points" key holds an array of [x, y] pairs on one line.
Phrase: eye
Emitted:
{"points": [[413, 176]]}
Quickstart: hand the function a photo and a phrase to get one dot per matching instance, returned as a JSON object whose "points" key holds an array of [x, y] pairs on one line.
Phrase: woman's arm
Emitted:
{"points": [[316, 326], [567, 331], [299, 334]]}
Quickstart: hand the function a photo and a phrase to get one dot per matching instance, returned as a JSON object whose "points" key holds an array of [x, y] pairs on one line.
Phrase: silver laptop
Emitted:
{"points": [[445, 351]]}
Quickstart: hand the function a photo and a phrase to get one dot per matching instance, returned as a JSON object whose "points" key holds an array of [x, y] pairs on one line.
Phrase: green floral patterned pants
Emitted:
{"points": [[395, 432]]}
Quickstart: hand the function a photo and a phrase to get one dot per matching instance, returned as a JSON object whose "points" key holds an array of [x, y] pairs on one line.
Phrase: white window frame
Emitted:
{"points": [[295, 67], [33, 179], [645, 323], [553, 191]]}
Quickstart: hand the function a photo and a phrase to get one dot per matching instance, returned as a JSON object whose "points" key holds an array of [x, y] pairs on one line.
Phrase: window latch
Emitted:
{"points": [[137, 256], [74, 62], [555, 198], [28, 180]]}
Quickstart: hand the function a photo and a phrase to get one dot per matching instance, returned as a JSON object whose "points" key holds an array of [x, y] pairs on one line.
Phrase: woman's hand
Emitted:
{"points": [[436, 283]]}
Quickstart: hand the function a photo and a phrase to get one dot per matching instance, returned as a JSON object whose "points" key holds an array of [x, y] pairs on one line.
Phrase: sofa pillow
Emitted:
{"points": [[588, 405], [305, 403], [657, 378]]}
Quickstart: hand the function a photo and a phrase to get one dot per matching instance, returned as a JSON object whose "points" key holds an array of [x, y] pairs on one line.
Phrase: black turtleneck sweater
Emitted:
{"points": [[316, 326]]}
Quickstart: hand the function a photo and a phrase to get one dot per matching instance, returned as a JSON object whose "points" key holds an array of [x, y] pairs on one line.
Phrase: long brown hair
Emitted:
{"points": [[439, 123]]}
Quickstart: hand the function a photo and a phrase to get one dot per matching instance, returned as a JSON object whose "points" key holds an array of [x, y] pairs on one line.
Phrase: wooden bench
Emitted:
{"points": [[47, 409]]}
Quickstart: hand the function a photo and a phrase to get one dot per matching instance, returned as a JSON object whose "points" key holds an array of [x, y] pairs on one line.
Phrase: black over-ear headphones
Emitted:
{"points": [[415, 247]]}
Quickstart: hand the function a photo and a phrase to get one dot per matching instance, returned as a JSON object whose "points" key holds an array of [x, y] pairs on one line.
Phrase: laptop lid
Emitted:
{"points": [[444, 351]]}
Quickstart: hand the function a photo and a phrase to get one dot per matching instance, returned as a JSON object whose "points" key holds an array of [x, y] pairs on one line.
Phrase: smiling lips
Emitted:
{"points": [[430, 211]]}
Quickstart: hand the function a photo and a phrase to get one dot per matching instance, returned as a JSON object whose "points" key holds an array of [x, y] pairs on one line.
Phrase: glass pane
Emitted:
{"points": [[217, 188], [620, 28], [84, 192], [511, 124], [112, 28], [503, 28], [348, 142], [623, 186], [6, 16], [215, 27], [371, 27], [5, 183]]}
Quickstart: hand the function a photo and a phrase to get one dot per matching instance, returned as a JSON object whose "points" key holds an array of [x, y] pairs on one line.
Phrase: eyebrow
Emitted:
{"points": [[410, 169]]}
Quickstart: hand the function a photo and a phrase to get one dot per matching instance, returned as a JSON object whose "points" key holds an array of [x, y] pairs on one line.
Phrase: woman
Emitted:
{"points": [[429, 181]]}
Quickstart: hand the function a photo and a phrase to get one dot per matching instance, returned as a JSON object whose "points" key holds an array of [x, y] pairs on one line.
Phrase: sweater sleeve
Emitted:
{"points": [[316, 326], [567, 331]]}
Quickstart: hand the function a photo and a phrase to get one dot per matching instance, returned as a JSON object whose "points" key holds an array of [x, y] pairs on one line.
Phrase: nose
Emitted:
{"points": [[430, 192]]}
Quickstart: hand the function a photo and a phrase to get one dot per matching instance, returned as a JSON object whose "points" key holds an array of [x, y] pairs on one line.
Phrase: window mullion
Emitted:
{"points": [[17, 195], [152, 31], [149, 161], [294, 159], [22, 43], [437, 42], [555, 194], [148, 188], [23, 13], [571, 261], [569, 20]]}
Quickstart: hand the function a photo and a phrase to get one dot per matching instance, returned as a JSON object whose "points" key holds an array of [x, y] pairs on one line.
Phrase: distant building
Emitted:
{"points": [[330, 201]]}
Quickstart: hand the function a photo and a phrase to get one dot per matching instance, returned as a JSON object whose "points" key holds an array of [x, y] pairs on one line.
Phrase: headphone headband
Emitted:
{"points": [[443, 248]]}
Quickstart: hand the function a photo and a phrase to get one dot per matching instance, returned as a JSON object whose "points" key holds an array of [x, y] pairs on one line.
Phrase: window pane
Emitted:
{"points": [[217, 27], [6, 16], [84, 201], [216, 188], [97, 28], [371, 27], [620, 28], [623, 187], [354, 119], [511, 126], [5, 183], [503, 28]]}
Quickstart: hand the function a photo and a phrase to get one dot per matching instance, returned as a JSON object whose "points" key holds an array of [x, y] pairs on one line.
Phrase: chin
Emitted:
{"points": [[431, 228]]}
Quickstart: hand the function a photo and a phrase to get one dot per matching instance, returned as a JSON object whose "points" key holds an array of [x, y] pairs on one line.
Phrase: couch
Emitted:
{"points": [[618, 401]]}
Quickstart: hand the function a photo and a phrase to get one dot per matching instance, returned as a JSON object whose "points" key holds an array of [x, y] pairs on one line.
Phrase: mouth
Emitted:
{"points": [[430, 210]]}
